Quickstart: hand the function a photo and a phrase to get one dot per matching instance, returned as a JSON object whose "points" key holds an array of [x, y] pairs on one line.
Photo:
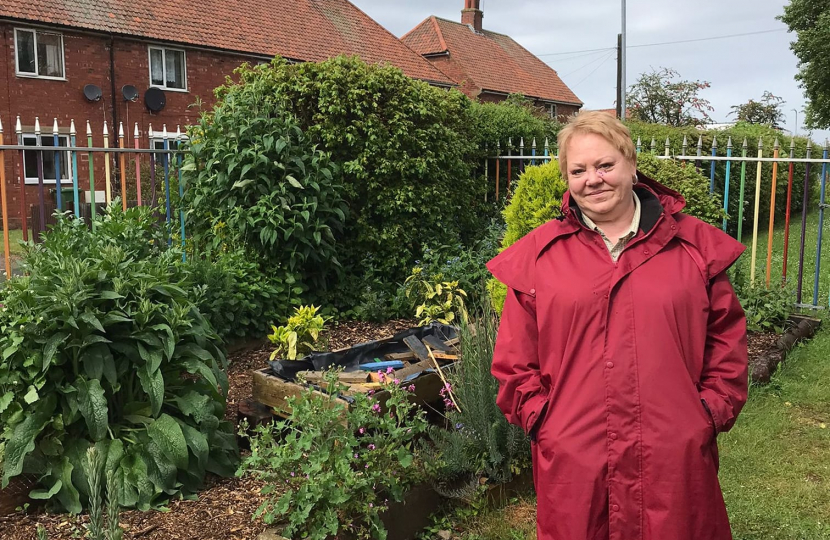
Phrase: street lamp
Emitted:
{"points": [[795, 133], [623, 107]]}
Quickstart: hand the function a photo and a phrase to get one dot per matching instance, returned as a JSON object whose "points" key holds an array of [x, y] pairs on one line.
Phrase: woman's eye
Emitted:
{"points": [[606, 166], [576, 172]]}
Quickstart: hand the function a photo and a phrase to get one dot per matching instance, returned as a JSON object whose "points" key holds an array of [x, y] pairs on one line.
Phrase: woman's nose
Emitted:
{"points": [[593, 176]]}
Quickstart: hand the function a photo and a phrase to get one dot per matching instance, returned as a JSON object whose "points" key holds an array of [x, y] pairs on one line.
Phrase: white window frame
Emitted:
{"points": [[552, 110], [164, 50], [157, 143], [66, 174], [36, 74]]}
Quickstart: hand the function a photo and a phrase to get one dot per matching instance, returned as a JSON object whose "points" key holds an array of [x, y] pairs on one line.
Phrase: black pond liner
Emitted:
{"points": [[365, 353]]}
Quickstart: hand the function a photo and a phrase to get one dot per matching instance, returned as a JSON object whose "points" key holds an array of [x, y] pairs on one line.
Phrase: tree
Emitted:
{"points": [[661, 97], [810, 20], [767, 111]]}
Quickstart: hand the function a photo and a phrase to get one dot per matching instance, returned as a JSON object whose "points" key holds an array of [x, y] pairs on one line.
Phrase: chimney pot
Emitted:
{"points": [[472, 15]]}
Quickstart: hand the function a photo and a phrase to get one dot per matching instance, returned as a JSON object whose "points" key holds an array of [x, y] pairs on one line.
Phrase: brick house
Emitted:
{"points": [[489, 66], [49, 51]]}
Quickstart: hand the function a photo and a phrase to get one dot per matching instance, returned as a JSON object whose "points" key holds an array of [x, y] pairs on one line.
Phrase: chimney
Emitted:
{"points": [[471, 14]]}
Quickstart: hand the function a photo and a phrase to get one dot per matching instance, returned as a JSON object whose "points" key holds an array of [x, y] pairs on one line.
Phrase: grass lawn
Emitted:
{"points": [[793, 255], [775, 463], [15, 237]]}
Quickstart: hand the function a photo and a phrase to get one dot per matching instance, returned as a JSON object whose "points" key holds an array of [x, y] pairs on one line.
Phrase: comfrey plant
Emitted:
{"points": [[331, 467]]}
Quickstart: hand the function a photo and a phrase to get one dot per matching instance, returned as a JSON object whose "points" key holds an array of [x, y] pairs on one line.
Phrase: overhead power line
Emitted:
{"points": [[670, 42]]}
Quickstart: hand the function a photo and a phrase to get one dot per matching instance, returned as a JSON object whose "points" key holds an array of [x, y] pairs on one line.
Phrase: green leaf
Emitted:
{"points": [[197, 406], [98, 363], [23, 437], [31, 396], [152, 382], [197, 443], [93, 406], [51, 348], [92, 320], [110, 295], [43, 494], [68, 494], [5, 401], [293, 181], [167, 434], [404, 457]]}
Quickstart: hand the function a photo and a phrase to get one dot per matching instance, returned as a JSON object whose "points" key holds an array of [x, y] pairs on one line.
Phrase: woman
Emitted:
{"points": [[621, 351]]}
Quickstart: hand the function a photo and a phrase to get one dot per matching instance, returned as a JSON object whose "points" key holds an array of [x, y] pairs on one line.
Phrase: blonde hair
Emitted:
{"points": [[596, 123]]}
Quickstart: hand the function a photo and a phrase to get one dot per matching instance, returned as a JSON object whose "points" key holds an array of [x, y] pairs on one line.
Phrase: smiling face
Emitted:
{"points": [[600, 178]]}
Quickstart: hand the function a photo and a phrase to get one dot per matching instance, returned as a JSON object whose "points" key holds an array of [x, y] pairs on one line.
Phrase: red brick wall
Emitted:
{"points": [[87, 61]]}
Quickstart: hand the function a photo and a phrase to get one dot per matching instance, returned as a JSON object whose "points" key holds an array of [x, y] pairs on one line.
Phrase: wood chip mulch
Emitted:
{"points": [[224, 508], [760, 344]]}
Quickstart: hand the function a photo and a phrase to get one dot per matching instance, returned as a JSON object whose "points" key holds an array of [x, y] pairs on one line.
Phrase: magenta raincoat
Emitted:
{"points": [[624, 373]]}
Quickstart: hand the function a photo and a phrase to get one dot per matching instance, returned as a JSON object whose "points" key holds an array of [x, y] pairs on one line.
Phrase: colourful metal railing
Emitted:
{"points": [[64, 151]]}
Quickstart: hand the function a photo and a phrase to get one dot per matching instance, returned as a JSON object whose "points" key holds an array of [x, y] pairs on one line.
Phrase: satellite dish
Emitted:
{"points": [[154, 99], [92, 92], [129, 92]]}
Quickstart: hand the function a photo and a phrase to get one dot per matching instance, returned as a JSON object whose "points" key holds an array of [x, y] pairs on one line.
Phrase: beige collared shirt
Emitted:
{"points": [[616, 249]]}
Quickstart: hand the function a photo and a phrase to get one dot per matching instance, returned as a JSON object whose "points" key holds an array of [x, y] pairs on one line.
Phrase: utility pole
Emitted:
{"points": [[619, 78], [623, 108]]}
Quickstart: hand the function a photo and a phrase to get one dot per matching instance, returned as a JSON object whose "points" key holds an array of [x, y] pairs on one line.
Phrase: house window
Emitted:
{"points": [[39, 54], [167, 68], [552, 110], [30, 158]]}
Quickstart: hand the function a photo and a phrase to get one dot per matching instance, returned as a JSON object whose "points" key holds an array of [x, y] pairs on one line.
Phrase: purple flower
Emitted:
{"points": [[292, 474], [389, 370], [376, 407], [371, 447], [362, 431], [371, 505], [411, 388], [355, 456], [397, 381]]}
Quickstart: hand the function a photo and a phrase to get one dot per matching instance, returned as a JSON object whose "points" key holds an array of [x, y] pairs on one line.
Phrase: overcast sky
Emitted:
{"points": [[739, 68]]}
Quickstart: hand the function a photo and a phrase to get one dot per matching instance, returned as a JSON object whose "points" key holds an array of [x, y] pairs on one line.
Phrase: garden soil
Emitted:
{"points": [[224, 508]]}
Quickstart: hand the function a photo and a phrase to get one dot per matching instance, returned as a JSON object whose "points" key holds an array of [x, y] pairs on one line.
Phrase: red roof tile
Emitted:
{"points": [[308, 30], [491, 61]]}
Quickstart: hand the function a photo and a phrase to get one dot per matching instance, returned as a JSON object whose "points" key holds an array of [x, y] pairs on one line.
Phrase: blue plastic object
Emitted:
{"points": [[374, 366]]}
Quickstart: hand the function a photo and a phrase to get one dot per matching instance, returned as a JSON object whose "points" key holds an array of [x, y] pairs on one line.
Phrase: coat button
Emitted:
{"points": [[609, 365], [645, 252], [612, 436], [605, 296], [615, 507], [532, 291]]}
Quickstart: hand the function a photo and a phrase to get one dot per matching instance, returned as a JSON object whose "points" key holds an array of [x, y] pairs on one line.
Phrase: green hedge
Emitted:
{"points": [[738, 132]]}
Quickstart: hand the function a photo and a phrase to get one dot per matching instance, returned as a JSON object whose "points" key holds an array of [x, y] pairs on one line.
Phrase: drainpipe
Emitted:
{"points": [[112, 94]]}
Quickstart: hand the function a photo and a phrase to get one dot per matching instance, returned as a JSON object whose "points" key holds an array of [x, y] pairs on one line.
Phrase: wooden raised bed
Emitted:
{"points": [[418, 350], [16, 493]]}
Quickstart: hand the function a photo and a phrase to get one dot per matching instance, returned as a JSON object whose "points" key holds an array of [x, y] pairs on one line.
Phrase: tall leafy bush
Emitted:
{"points": [[102, 346], [255, 177], [404, 149], [235, 294]]}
